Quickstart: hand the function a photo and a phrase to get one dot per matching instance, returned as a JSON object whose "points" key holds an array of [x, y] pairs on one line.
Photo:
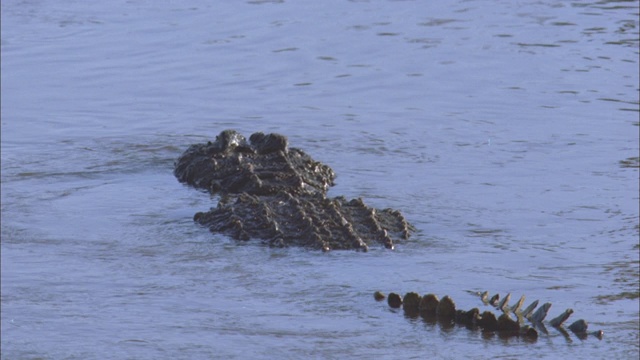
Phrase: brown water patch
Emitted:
{"points": [[621, 296], [626, 277], [632, 162]]}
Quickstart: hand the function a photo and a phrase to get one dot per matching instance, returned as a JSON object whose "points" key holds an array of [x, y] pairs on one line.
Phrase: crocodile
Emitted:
{"points": [[527, 323], [278, 194]]}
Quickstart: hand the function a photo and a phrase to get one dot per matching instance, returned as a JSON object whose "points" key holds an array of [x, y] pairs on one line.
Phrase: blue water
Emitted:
{"points": [[506, 132]]}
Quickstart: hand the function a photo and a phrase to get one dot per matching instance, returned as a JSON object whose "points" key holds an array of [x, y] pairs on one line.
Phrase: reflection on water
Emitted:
{"points": [[506, 132]]}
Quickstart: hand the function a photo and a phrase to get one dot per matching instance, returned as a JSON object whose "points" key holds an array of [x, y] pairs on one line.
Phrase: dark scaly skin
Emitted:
{"points": [[263, 166], [444, 311], [278, 194]]}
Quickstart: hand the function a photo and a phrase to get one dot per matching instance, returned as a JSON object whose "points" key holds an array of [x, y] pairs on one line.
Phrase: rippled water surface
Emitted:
{"points": [[507, 132]]}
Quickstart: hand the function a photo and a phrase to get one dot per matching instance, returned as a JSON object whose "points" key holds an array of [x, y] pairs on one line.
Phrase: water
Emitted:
{"points": [[507, 132]]}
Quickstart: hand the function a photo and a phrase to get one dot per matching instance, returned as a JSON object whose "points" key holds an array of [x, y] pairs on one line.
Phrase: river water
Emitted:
{"points": [[505, 131]]}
